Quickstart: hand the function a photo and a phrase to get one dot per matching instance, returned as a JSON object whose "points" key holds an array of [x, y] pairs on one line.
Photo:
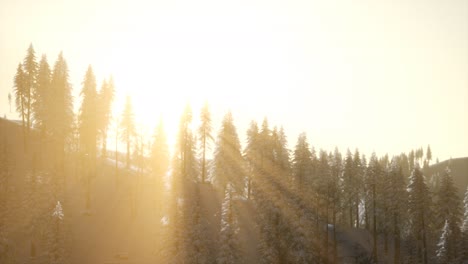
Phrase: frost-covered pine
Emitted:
{"points": [[229, 252], [56, 250], [58, 211], [464, 228], [442, 252]]}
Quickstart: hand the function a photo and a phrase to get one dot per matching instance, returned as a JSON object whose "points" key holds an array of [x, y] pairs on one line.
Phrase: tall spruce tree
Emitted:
{"points": [[301, 163], [62, 115], [228, 161], [251, 154], [229, 252], [205, 137], [397, 197], [419, 203], [30, 74], [88, 114], [159, 153], [19, 88], [42, 98], [105, 99], [374, 173], [127, 126], [449, 213], [464, 228]]}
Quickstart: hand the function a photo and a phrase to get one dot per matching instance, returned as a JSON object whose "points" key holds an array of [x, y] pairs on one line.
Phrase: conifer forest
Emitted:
{"points": [[80, 183]]}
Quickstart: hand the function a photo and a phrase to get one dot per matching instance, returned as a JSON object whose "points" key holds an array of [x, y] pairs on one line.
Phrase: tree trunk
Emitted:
{"points": [[396, 240], [204, 160], [374, 249]]}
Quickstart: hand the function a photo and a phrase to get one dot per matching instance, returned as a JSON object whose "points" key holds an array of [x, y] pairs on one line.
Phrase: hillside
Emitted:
{"points": [[459, 172]]}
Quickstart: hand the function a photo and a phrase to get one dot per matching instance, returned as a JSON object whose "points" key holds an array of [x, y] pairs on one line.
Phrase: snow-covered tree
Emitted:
{"points": [[464, 228], [448, 210], [57, 249], [442, 251]]}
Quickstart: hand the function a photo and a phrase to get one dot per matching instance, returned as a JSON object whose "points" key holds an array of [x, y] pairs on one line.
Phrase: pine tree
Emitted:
{"points": [[229, 252], [19, 89], [88, 115], [464, 228], [186, 147], [42, 97], [228, 161], [449, 211], [127, 126], [301, 163], [442, 252], [419, 203], [251, 154], [465, 214], [205, 136], [374, 174], [335, 196], [428, 153], [105, 97], [159, 154], [397, 198], [61, 120], [56, 243], [30, 74], [348, 189]]}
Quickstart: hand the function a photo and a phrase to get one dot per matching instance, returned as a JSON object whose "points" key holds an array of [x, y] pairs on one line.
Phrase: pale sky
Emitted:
{"points": [[384, 76]]}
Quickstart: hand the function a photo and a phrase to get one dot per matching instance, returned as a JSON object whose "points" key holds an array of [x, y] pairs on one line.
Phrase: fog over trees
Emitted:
{"points": [[214, 199]]}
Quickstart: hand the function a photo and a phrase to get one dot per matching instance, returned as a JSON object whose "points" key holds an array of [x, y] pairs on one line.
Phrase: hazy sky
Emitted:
{"points": [[384, 76]]}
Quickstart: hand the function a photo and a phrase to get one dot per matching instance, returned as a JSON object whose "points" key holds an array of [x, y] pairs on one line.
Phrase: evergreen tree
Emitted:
{"points": [[42, 98], [88, 115], [348, 189], [419, 203], [159, 154], [127, 126], [251, 154], [397, 198], [61, 109], [229, 252], [30, 74], [442, 252], [105, 97], [465, 215], [428, 153], [21, 96], [205, 136], [374, 174], [464, 228], [449, 212], [336, 167], [228, 161], [186, 147], [301, 163]]}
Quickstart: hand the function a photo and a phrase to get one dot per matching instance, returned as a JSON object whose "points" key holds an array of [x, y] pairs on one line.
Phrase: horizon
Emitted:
{"points": [[373, 78]]}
